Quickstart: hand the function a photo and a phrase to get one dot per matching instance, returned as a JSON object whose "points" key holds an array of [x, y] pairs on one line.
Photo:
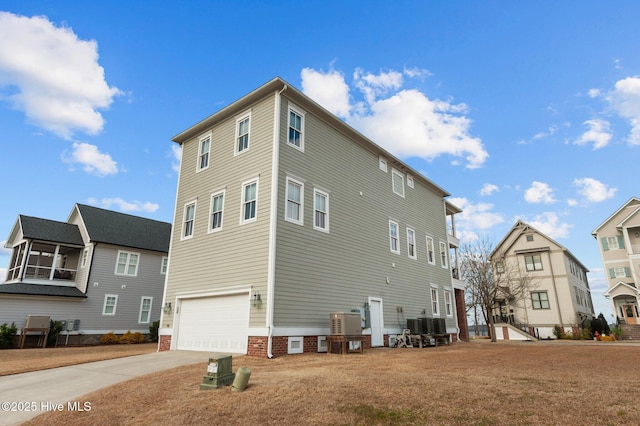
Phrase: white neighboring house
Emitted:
{"points": [[559, 293]]}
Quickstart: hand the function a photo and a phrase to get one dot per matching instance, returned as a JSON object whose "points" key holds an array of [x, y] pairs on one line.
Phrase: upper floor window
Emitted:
{"points": [[382, 164], [249, 201], [612, 243], [85, 256], [188, 220], [398, 182], [296, 128], [533, 262], [145, 310], [620, 272], [295, 202], [411, 243], [443, 254], [164, 265], [447, 303], [530, 237], [203, 154], [500, 267], [242, 133], [127, 263], [217, 205], [431, 256], [410, 181], [435, 305], [393, 237], [540, 300], [320, 210], [110, 303]]}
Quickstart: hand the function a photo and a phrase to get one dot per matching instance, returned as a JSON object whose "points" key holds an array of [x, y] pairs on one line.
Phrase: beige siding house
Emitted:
{"points": [[619, 243], [285, 214], [558, 293]]}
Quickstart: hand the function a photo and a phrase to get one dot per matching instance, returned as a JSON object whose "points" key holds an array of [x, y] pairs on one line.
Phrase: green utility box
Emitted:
{"points": [[219, 373]]}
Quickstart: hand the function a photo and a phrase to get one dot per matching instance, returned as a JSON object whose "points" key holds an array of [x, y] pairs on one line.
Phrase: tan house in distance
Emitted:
{"points": [[619, 242], [559, 293]]}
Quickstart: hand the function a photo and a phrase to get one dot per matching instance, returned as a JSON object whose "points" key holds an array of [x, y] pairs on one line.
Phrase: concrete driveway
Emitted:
{"points": [[24, 396]]}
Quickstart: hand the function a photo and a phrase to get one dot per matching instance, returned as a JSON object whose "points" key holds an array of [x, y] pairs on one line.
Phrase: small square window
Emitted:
{"points": [[530, 237]]}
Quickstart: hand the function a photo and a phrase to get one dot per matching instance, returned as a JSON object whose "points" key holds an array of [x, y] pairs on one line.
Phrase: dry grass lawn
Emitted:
{"points": [[550, 383]]}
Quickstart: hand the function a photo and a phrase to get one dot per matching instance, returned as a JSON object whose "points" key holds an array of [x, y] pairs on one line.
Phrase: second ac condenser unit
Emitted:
{"points": [[344, 323]]}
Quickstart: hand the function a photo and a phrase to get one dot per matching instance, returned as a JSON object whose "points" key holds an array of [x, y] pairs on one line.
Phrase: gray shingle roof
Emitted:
{"points": [[106, 226], [41, 290], [50, 230]]}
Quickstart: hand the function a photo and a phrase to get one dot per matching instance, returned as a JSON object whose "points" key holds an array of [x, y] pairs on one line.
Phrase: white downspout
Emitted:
{"points": [[271, 273]]}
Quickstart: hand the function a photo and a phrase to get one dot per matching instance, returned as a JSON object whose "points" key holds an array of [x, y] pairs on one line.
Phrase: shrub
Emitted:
{"points": [[129, 337], [153, 331], [617, 332], [7, 333], [109, 339], [559, 332], [586, 334], [604, 338], [55, 327]]}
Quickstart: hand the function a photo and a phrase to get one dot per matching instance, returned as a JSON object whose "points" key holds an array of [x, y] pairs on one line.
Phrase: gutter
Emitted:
{"points": [[271, 278]]}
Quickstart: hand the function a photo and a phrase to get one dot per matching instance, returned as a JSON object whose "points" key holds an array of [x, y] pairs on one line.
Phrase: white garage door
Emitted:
{"points": [[219, 324]]}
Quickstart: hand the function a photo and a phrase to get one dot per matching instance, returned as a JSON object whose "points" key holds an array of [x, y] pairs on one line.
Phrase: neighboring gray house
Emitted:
{"points": [[100, 270], [285, 214]]}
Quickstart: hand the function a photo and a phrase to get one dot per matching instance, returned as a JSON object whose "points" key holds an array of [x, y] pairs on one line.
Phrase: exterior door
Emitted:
{"points": [[377, 338], [630, 314]]}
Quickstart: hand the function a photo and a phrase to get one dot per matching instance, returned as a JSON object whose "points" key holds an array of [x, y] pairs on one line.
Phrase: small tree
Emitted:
{"points": [[7, 333]]}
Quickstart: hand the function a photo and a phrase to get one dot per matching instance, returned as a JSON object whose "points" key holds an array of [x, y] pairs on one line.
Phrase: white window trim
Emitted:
{"points": [[436, 305], [126, 266], [104, 305], [410, 181], [184, 220], [242, 200], [164, 265], [394, 173], [415, 248], [382, 164], [302, 114], [300, 220], [612, 243], [444, 255], [448, 303], [433, 251], [85, 257], [620, 272], [240, 119], [397, 251], [326, 212], [209, 136], [210, 225], [150, 308]]}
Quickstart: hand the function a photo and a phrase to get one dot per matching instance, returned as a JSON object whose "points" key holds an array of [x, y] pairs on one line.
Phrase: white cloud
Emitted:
{"points": [[594, 93], [552, 129], [625, 101], [572, 203], [474, 217], [52, 76], [176, 156], [539, 192], [593, 190], [405, 122], [488, 189], [328, 89], [125, 206], [92, 160], [549, 224], [599, 133]]}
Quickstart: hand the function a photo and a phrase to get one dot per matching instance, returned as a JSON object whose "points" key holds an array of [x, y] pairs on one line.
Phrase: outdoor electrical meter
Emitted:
{"points": [[219, 373]]}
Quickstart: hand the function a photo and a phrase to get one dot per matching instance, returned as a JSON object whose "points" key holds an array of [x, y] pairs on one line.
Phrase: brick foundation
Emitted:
{"points": [[165, 343]]}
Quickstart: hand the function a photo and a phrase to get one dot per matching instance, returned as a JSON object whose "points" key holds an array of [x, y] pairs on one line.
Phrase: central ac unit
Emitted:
{"points": [[344, 323]]}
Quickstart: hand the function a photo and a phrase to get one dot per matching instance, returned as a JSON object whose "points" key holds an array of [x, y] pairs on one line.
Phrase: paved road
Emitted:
{"points": [[34, 393]]}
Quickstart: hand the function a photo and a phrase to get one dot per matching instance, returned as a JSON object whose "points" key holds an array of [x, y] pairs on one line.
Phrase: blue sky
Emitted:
{"points": [[521, 110]]}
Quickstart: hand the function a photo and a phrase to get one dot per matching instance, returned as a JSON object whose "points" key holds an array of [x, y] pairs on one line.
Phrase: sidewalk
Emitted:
{"points": [[27, 395]]}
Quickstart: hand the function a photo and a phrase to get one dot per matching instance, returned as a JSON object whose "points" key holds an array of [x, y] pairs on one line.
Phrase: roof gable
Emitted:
{"points": [[106, 226], [631, 201], [35, 228]]}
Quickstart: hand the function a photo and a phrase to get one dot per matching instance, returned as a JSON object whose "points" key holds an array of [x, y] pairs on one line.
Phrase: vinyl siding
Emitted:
{"points": [[317, 272], [237, 254]]}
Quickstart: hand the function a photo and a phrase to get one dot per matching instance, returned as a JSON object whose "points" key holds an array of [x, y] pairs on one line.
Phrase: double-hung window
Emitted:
{"points": [[85, 256], [294, 210], [540, 300], [242, 133], [411, 243], [189, 219], [164, 265], [435, 304], [533, 262], [448, 308], [217, 206], [320, 210], [145, 310], [203, 154], [431, 255], [249, 201], [394, 242], [398, 182], [443, 254], [110, 303], [127, 263], [296, 128]]}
